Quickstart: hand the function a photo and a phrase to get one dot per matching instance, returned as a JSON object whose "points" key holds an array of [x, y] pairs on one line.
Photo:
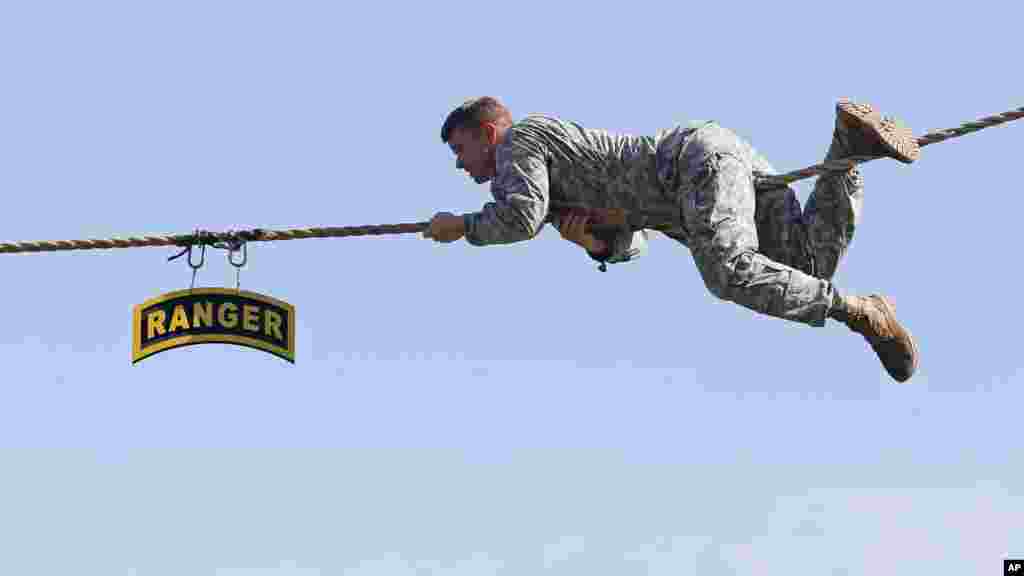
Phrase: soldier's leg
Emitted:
{"points": [[834, 208], [781, 229], [718, 208]]}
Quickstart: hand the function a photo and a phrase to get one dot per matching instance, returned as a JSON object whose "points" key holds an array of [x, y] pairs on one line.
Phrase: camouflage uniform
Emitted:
{"points": [[759, 250]]}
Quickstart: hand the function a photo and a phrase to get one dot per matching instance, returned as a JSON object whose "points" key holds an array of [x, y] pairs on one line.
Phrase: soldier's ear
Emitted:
{"points": [[490, 133]]}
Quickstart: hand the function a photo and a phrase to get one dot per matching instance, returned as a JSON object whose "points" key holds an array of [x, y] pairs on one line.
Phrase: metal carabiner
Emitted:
{"points": [[202, 258], [188, 250], [245, 256], [238, 265]]}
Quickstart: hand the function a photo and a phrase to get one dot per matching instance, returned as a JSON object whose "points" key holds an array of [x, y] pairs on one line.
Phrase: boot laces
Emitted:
{"points": [[870, 323]]}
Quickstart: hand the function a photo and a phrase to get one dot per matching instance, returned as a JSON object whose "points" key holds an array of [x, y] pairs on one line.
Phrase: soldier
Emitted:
{"points": [[758, 249]]}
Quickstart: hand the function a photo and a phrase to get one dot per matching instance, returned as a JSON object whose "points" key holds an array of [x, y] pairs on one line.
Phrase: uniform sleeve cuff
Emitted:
{"points": [[467, 229]]}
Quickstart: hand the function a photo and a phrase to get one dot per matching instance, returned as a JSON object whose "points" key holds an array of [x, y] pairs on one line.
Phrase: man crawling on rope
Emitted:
{"points": [[757, 249]]}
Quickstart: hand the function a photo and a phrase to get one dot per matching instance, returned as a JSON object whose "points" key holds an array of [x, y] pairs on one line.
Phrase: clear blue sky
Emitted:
{"points": [[458, 410]]}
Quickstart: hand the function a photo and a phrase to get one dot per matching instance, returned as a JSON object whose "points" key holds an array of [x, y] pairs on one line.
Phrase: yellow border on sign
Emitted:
{"points": [[187, 340]]}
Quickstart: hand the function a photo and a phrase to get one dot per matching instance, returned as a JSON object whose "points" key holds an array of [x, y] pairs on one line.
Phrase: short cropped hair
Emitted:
{"points": [[473, 113]]}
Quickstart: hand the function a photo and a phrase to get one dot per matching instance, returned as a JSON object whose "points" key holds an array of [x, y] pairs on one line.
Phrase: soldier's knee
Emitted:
{"points": [[731, 279], [714, 286], [721, 274]]}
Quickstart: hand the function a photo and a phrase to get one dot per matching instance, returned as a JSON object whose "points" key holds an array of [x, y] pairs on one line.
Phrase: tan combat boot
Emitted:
{"points": [[866, 132], [874, 317]]}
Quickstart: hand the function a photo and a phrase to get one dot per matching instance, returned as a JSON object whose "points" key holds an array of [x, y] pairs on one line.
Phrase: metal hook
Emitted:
{"points": [[238, 265], [245, 256], [202, 257], [202, 254]]}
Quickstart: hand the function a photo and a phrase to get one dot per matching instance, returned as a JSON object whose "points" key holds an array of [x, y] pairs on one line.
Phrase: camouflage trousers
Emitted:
{"points": [[760, 249]]}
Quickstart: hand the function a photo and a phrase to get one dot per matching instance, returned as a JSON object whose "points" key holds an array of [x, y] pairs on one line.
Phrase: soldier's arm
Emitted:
{"points": [[520, 190]]}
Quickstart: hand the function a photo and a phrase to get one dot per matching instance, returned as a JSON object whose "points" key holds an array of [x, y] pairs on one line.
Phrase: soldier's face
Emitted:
{"points": [[474, 153]]}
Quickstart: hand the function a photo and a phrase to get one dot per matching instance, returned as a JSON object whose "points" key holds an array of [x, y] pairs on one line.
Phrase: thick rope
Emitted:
{"points": [[261, 235], [211, 238]]}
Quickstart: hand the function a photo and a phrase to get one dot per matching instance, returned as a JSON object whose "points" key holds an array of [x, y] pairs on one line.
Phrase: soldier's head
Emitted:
{"points": [[472, 131]]}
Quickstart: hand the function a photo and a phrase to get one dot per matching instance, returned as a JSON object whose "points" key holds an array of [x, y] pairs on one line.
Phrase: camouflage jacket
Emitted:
{"points": [[544, 159]]}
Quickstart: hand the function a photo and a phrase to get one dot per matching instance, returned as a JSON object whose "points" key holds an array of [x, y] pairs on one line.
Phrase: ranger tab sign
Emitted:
{"points": [[213, 315]]}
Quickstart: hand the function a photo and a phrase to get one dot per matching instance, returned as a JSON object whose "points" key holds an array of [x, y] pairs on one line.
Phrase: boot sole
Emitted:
{"points": [[900, 332], [898, 141]]}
